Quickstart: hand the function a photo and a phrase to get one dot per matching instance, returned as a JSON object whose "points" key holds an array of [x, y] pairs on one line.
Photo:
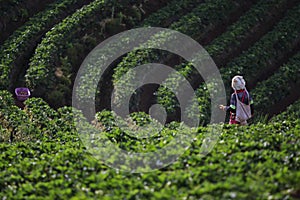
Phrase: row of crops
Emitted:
{"points": [[51, 71], [41, 72], [18, 48], [72, 42], [265, 56], [215, 12], [44, 156], [255, 162], [39, 61], [15, 13]]}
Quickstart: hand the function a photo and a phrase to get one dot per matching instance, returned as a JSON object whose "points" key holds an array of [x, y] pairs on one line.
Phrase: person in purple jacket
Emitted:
{"points": [[241, 103]]}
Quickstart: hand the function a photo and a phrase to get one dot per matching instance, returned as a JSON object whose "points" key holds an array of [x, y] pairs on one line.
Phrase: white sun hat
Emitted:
{"points": [[238, 83]]}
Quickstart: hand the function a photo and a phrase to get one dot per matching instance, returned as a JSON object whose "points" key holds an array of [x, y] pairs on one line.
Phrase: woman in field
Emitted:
{"points": [[241, 103]]}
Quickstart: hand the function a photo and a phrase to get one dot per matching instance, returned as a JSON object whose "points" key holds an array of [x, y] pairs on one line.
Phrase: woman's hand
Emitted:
{"points": [[222, 107]]}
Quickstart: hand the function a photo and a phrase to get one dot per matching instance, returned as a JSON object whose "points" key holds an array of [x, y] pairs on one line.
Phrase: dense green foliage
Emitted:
{"points": [[194, 24], [16, 47], [41, 72], [43, 152], [17, 12], [262, 56], [51, 67], [292, 112], [255, 162], [165, 16], [267, 91], [235, 37]]}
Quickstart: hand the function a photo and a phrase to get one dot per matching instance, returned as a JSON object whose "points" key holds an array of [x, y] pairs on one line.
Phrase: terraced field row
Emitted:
{"points": [[216, 12], [15, 54], [15, 13], [18, 48], [61, 60], [43, 155], [264, 56], [51, 69], [52, 156], [235, 37]]}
